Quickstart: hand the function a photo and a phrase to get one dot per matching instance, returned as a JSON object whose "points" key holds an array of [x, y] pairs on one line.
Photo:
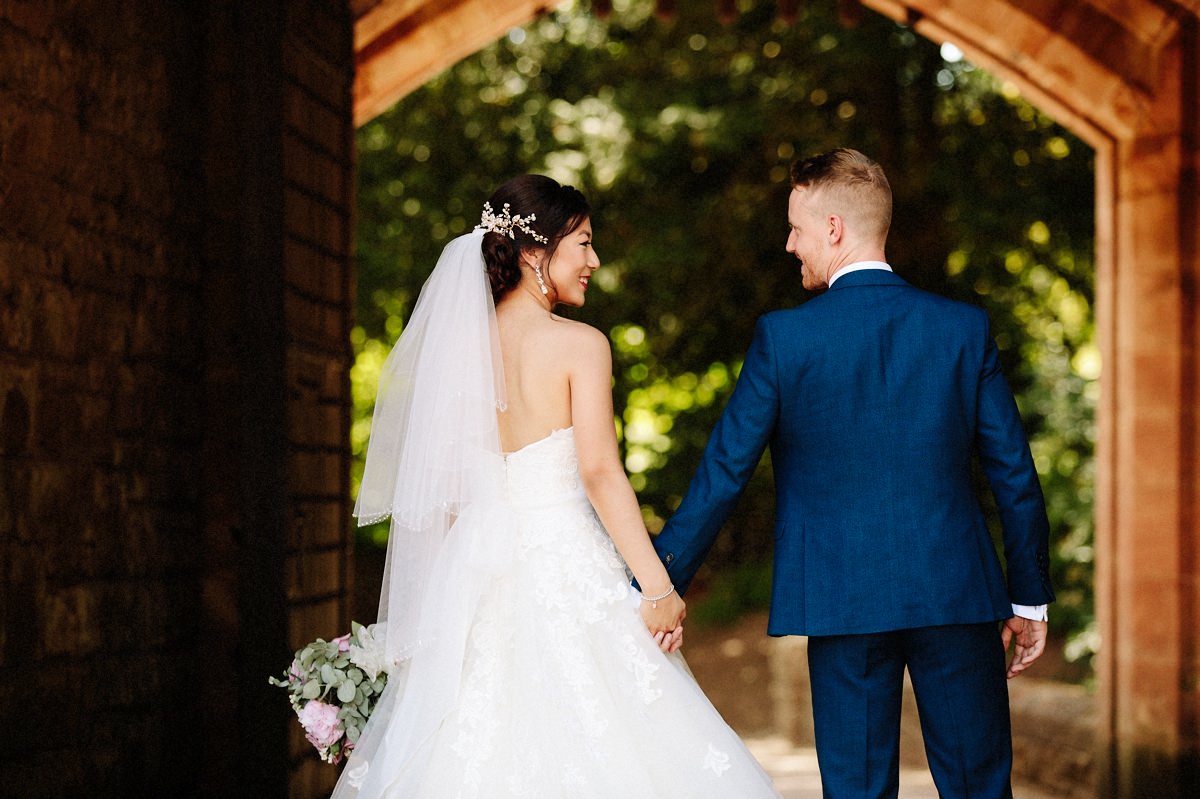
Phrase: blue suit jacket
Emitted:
{"points": [[873, 397]]}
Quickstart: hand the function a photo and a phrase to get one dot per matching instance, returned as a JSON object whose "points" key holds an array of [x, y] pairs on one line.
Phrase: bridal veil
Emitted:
{"points": [[433, 460]]}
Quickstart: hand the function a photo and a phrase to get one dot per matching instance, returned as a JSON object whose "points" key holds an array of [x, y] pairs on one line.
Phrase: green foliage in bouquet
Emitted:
{"points": [[334, 686]]}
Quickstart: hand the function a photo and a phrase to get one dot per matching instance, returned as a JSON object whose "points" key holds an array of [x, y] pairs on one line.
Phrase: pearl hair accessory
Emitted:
{"points": [[504, 223]]}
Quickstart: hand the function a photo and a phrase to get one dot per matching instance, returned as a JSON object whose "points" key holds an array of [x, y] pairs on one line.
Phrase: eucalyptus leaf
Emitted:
{"points": [[355, 675], [312, 689], [327, 675], [346, 692]]}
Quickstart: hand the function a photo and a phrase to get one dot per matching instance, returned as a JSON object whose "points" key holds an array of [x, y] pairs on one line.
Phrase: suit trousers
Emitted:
{"points": [[958, 676]]}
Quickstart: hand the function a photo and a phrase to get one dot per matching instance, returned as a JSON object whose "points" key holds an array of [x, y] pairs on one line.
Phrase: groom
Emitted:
{"points": [[875, 397]]}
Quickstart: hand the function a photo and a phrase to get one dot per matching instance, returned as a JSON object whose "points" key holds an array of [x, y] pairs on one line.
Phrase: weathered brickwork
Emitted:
{"points": [[101, 392], [174, 319], [318, 156]]}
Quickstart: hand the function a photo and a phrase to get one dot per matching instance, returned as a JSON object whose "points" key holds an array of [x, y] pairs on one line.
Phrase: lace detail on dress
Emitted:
{"points": [[478, 725], [570, 654], [644, 672], [716, 761], [544, 473]]}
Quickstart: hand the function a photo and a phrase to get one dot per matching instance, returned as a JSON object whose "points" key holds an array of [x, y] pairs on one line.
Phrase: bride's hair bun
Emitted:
{"points": [[501, 260], [556, 210]]}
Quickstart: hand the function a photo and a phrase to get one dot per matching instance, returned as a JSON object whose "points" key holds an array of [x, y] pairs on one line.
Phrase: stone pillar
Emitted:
{"points": [[278, 308], [101, 397], [1147, 516], [175, 233], [318, 195], [1189, 531], [249, 312]]}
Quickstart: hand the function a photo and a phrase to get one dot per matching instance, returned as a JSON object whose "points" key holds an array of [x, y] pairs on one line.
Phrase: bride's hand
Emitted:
{"points": [[669, 614]]}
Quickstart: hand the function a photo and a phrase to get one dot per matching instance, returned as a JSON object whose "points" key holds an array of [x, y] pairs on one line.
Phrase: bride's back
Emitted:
{"points": [[537, 253], [534, 348]]}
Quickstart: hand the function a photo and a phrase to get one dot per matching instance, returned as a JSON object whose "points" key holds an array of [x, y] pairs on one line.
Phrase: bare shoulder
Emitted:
{"points": [[581, 343]]}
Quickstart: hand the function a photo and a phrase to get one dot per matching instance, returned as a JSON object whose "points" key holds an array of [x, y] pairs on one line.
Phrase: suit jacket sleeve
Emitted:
{"points": [[734, 449], [1006, 460]]}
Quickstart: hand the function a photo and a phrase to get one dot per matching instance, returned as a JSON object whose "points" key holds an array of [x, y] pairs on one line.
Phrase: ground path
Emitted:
{"points": [[731, 664]]}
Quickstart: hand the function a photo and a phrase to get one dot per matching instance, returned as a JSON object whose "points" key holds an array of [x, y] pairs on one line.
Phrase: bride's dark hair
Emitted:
{"points": [[559, 210]]}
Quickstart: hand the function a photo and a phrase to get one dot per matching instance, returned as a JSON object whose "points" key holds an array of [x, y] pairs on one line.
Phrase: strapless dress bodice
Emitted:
{"points": [[544, 473]]}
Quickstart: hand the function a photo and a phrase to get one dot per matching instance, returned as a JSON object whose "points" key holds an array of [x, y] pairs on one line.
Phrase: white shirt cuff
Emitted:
{"points": [[1034, 612]]}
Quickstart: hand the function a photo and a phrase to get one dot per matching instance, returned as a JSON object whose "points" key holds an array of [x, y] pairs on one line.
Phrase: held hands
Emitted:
{"points": [[664, 619], [1030, 642], [670, 642]]}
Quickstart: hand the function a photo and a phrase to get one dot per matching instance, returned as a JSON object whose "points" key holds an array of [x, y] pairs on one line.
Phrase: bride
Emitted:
{"points": [[525, 663]]}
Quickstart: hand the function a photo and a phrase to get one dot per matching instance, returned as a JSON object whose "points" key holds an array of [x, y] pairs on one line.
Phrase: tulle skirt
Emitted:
{"points": [[556, 688]]}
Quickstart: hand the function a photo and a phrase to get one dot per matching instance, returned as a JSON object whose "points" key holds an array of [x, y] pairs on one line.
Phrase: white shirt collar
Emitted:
{"points": [[858, 266]]}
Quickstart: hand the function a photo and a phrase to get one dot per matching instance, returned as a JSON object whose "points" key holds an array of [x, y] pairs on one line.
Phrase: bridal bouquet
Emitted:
{"points": [[334, 685]]}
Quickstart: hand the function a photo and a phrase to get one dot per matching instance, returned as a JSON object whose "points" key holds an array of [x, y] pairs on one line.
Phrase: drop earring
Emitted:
{"points": [[537, 273]]}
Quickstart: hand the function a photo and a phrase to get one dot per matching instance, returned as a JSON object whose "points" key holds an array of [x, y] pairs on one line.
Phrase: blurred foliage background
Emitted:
{"points": [[680, 132]]}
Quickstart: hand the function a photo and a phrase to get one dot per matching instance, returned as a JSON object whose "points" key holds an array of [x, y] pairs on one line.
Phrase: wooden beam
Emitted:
{"points": [[381, 18], [1084, 89], [398, 49]]}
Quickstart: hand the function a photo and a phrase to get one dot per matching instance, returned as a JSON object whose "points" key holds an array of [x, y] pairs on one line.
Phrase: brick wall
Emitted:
{"points": [[100, 363], [175, 288], [318, 168]]}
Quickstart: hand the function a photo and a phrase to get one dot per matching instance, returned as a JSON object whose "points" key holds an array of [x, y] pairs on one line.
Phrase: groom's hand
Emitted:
{"points": [[672, 641], [1030, 637]]}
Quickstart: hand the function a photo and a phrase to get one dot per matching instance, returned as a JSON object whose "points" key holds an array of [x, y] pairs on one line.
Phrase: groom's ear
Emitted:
{"points": [[836, 228]]}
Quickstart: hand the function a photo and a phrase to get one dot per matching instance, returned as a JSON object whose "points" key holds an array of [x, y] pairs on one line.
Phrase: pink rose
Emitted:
{"points": [[343, 642], [320, 723]]}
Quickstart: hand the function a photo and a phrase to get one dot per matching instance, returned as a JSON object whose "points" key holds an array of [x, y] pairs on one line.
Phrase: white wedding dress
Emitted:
{"points": [[563, 692]]}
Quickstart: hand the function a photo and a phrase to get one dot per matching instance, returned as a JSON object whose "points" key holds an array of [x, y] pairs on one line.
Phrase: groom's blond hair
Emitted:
{"points": [[851, 186]]}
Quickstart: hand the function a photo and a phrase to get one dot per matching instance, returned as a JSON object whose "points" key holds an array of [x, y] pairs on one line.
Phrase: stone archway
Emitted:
{"points": [[1125, 76]]}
